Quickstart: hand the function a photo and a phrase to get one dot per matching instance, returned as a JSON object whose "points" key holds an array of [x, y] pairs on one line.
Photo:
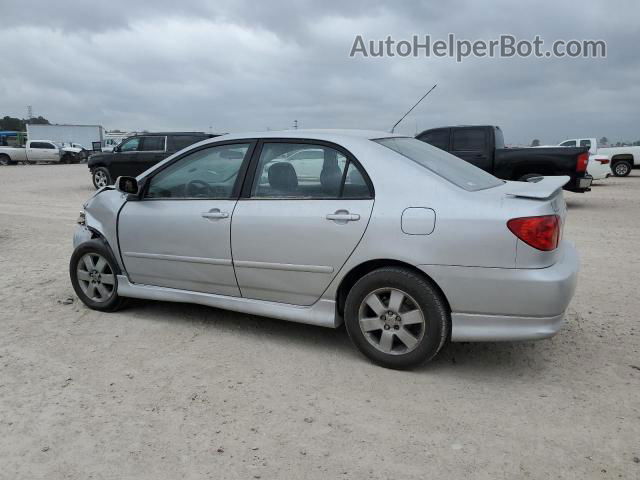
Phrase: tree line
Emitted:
{"points": [[20, 124]]}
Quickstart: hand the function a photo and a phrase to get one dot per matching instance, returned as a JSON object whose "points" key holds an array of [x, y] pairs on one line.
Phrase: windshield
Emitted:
{"points": [[447, 166]]}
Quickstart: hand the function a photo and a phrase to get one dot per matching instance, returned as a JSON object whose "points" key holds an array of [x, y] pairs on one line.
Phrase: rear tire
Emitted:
{"points": [[396, 318], [621, 168], [5, 160], [101, 177], [93, 273]]}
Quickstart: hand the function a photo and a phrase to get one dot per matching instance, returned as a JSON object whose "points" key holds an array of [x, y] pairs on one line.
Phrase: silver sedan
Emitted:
{"points": [[407, 245]]}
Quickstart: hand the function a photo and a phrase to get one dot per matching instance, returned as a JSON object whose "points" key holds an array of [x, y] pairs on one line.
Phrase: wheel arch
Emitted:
{"points": [[97, 235], [357, 272], [621, 157]]}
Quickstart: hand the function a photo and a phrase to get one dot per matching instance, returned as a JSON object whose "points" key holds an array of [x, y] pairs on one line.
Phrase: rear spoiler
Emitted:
{"points": [[538, 187]]}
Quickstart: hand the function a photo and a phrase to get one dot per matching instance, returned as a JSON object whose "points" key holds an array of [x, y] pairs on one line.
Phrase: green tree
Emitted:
{"points": [[604, 141], [535, 142]]}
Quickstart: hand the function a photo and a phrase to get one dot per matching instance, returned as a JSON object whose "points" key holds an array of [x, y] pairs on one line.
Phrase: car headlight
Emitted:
{"points": [[81, 218]]}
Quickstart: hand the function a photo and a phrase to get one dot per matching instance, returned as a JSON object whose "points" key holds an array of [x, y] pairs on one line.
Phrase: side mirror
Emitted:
{"points": [[128, 185]]}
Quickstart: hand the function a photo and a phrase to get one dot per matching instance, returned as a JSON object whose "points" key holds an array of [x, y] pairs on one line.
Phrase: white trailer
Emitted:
{"points": [[84, 135]]}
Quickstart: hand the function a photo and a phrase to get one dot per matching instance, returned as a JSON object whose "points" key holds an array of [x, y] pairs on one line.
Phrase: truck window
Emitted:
{"points": [[152, 144], [178, 142], [443, 164], [437, 138], [42, 145], [585, 143], [468, 140], [130, 145], [568, 143]]}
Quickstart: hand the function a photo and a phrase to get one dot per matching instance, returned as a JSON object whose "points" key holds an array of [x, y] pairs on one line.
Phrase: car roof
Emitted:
{"points": [[330, 135]]}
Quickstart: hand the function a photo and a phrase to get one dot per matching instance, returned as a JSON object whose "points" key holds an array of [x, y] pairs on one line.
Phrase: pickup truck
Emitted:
{"points": [[137, 154], [37, 151], [623, 159], [483, 146]]}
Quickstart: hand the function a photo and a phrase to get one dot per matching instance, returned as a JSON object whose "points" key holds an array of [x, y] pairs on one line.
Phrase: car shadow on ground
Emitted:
{"points": [[486, 358]]}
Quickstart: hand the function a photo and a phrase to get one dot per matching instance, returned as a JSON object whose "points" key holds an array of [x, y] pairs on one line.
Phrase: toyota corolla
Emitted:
{"points": [[407, 245]]}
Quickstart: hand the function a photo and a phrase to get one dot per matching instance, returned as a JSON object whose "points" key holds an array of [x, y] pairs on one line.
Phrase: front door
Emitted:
{"points": [[471, 144], [307, 210], [178, 234], [124, 158]]}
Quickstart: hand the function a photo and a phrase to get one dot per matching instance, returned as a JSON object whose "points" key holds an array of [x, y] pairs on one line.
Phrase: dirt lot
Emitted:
{"points": [[171, 391]]}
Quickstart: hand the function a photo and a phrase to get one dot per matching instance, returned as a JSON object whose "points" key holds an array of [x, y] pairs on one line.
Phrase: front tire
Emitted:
{"points": [[5, 160], [101, 177], [621, 168], [94, 278], [396, 318]]}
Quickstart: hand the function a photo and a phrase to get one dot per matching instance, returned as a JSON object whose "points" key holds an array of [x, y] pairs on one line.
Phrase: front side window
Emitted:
{"points": [[152, 144], [443, 164], [585, 143], [130, 145], [468, 140], [210, 173], [437, 138], [306, 171]]}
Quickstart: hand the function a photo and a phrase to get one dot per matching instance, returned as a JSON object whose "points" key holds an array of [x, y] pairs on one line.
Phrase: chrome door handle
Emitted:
{"points": [[343, 216], [214, 213]]}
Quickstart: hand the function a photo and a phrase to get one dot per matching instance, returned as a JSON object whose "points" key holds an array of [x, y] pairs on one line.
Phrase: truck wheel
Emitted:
{"points": [[5, 160], [94, 277], [101, 177], [66, 159], [621, 168], [525, 178], [396, 318]]}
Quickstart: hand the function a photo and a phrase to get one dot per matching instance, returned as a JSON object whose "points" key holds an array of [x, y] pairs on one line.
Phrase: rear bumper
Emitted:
{"points": [[579, 184], [493, 304]]}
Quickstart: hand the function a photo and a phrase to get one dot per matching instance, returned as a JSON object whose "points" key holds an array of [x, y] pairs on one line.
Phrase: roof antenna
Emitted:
{"points": [[411, 109]]}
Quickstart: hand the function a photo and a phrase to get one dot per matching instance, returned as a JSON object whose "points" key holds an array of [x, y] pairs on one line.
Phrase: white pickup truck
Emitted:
{"points": [[623, 159], [38, 151]]}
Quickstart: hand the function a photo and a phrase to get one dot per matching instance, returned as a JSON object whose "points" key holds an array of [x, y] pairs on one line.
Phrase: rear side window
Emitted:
{"points": [[178, 142], [307, 171], [443, 164], [437, 138], [152, 144], [468, 140], [570, 143]]}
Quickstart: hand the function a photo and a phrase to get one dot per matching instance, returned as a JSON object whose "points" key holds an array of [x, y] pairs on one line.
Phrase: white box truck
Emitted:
{"points": [[83, 136]]}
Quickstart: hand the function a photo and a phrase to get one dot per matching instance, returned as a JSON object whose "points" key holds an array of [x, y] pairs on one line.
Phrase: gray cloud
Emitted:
{"points": [[246, 65]]}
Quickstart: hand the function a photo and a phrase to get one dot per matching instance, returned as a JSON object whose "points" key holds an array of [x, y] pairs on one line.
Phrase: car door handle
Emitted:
{"points": [[343, 216], [214, 213]]}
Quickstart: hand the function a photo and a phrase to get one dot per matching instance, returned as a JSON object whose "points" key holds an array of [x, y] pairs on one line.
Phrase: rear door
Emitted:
{"points": [[151, 151], [178, 234], [298, 221], [473, 145]]}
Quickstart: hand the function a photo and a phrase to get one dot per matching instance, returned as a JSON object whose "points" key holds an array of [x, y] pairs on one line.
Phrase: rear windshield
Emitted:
{"points": [[449, 167]]}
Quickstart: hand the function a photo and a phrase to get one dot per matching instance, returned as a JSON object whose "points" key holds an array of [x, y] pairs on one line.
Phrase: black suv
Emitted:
{"points": [[139, 153]]}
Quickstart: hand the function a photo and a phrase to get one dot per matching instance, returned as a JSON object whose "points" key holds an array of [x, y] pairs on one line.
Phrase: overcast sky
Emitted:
{"points": [[251, 65]]}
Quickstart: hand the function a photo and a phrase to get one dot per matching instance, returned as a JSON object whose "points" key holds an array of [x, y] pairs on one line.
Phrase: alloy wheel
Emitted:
{"points": [[621, 169], [392, 321], [100, 179], [95, 277]]}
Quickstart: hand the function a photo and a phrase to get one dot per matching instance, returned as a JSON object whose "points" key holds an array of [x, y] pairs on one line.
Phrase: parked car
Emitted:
{"points": [[483, 146], [284, 224], [598, 166], [37, 151], [137, 153], [623, 159]]}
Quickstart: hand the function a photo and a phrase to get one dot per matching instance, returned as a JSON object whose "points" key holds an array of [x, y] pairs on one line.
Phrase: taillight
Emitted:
{"points": [[583, 161], [604, 161], [542, 232]]}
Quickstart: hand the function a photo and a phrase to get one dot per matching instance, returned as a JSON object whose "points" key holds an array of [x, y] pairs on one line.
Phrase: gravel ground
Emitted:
{"points": [[164, 390]]}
